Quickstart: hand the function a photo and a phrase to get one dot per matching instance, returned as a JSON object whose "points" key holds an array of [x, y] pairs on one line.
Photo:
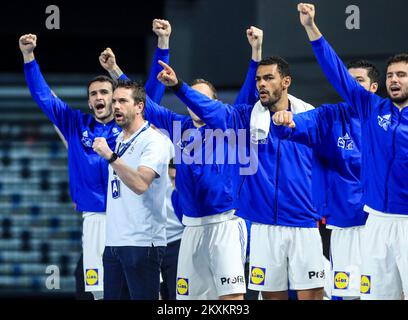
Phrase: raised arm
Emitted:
{"points": [[154, 88], [357, 97], [248, 93], [213, 112], [162, 117], [54, 108]]}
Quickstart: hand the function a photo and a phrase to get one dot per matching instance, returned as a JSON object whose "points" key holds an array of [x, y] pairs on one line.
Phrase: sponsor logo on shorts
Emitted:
{"points": [[92, 277], [365, 285], [257, 276], [316, 274], [232, 280], [182, 286], [341, 280]]}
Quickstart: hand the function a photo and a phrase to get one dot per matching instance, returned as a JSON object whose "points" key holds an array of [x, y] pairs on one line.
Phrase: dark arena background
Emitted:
{"points": [[40, 232]]}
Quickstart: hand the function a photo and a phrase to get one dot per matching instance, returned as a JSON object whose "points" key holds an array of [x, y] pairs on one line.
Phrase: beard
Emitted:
{"points": [[402, 99], [273, 99]]}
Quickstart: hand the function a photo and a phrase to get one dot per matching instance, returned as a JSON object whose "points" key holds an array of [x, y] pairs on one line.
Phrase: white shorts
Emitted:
{"points": [[211, 260], [285, 257], [384, 270], [345, 258], [93, 245]]}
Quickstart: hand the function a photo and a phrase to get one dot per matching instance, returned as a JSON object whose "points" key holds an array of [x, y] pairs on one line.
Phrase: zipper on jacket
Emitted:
{"points": [[277, 181], [387, 178]]}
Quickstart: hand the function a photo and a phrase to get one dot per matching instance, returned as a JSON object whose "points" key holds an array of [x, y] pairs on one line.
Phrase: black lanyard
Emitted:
{"points": [[126, 146]]}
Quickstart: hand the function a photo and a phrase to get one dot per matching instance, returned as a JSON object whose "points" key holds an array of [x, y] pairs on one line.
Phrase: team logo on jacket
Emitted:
{"points": [[92, 277], [345, 142], [384, 121], [182, 286], [365, 287], [86, 141], [257, 276], [115, 131], [341, 280]]}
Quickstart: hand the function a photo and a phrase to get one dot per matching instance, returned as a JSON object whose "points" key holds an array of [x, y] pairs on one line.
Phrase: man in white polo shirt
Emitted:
{"points": [[136, 215]]}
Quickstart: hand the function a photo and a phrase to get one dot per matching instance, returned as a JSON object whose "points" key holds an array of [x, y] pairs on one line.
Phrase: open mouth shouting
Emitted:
{"points": [[118, 116], [395, 90], [99, 107]]}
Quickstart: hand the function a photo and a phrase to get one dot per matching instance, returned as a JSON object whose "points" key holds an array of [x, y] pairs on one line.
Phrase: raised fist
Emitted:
{"points": [[307, 14], [27, 43], [107, 60], [100, 146], [161, 28], [255, 37]]}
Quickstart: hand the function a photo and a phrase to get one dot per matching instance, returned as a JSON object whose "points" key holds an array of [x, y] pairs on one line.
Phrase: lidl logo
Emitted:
{"points": [[182, 286], [257, 276], [365, 284], [92, 277], [341, 280]]}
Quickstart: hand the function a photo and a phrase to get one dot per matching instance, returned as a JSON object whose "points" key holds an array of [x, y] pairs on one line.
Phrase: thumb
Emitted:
{"points": [[292, 125]]}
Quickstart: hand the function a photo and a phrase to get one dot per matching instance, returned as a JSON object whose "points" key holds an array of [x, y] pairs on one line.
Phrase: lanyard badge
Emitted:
{"points": [[120, 150], [115, 184]]}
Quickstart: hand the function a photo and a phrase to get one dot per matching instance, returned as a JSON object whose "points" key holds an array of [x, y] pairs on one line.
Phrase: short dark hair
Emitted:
{"points": [[372, 70], [103, 79], [138, 91], [400, 57], [208, 83], [282, 64]]}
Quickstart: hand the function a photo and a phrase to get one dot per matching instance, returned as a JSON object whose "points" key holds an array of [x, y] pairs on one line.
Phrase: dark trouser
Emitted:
{"points": [[132, 271], [80, 293], [169, 271]]}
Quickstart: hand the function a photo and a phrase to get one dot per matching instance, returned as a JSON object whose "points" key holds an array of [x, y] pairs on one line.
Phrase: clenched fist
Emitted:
{"points": [[107, 60], [283, 118], [27, 43], [307, 14], [161, 28], [255, 37], [100, 146]]}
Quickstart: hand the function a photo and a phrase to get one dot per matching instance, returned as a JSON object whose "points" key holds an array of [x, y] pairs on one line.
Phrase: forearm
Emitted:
{"points": [[337, 74], [163, 42], [133, 179], [212, 112], [313, 32], [256, 54], [248, 93], [154, 88], [28, 57], [116, 73]]}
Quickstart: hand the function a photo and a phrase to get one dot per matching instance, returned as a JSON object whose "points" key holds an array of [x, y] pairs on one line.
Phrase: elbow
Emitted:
{"points": [[139, 190]]}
